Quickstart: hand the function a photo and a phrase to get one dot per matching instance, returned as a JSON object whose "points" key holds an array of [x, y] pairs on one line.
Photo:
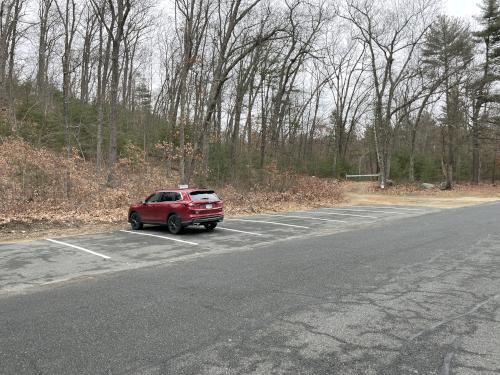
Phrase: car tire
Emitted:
{"points": [[135, 221], [210, 226], [174, 224]]}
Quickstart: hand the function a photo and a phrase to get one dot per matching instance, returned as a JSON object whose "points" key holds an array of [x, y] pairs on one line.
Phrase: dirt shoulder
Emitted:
{"points": [[424, 201], [460, 196]]}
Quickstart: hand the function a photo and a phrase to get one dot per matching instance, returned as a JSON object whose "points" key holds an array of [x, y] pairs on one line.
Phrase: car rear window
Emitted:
{"points": [[208, 195]]}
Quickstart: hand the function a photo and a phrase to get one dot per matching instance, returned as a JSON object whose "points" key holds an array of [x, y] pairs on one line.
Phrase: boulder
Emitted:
{"points": [[427, 186], [444, 186]]}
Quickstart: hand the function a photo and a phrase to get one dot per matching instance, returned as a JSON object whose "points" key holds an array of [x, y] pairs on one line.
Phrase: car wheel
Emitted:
{"points": [[174, 224], [135, 221], [210, 226]]}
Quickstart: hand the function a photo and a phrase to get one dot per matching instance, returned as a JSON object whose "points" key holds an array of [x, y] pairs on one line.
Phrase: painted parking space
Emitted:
{"points": [[138, 248], [271, 226], [58, 259], [367, 210], [42, 262], [270, 223], [395, 207], [79, 248], [343, 215], [306, 217], [169, 238], [392, 212]]}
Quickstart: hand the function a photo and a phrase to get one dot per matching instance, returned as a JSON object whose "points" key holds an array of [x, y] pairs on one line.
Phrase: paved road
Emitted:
{"points": [[412, 293]]}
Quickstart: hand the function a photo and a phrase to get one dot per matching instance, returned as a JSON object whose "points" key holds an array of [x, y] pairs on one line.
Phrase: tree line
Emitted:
{"points": [[220, 90]]}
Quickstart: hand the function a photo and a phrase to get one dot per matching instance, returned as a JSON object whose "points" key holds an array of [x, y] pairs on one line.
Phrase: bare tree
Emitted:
{"points": [[103, 59], [91, 23], [46, 23], [392, 32], [195, 18], [304, 25], [16, 34], [69, 18], [118, 12], [10, 11], [230, 53], [138, 25], [346, 68]]}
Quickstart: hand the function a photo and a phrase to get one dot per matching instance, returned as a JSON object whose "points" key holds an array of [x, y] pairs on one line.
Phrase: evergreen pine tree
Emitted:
{"points": [[489, 35]]}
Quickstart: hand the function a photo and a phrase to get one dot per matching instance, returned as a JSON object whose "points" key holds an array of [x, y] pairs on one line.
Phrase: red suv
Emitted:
{"points": [[178, 208]]}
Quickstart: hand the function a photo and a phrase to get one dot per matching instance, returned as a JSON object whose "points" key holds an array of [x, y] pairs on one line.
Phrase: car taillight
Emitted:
{"points": [[194, 206]]}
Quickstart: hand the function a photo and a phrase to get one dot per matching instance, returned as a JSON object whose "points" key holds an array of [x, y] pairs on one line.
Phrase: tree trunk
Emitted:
{"points": [[99, 100], [263, 126], [411, 166], [182, 124], [476, 150], [126, 62], [5, 35], [122, 11], [67, 16], [85, 69], [494, 171], [103, 69], [41, 76], [113, 111], [10, 74]]}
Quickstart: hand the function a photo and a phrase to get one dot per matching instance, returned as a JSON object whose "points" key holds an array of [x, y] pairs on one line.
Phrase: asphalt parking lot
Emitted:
{"points": [[54, 260], [361, 290]]}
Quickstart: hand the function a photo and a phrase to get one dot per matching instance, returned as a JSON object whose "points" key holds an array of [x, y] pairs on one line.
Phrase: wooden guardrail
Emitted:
{"points": [[348, 176]]}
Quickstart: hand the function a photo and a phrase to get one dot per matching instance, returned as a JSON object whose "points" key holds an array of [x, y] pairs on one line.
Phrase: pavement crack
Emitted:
{"points": [[445, 370], [459, 316]]}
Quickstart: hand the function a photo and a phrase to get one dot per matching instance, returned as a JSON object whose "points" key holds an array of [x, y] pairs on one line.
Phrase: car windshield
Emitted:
{"points": [[204, 195]]}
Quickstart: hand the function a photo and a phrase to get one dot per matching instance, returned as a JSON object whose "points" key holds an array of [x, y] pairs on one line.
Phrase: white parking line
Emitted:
{"points": [[353, 215], [308, 218], [79, 248], [164, 237], [392, 208], [241, 231], [269, 222], [362, 210]]}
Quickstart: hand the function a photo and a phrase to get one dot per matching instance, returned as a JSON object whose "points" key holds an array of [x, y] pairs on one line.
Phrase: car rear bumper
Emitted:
{"points": [[203, 220]]}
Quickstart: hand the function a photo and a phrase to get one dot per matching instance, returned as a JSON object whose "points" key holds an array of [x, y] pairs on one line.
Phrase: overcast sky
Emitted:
{"points": [[462, 8]]}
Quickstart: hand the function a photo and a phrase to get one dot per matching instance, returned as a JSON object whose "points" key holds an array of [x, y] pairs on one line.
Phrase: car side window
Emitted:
{"points": [[171, 197], [154, 198], [167, 197]]}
